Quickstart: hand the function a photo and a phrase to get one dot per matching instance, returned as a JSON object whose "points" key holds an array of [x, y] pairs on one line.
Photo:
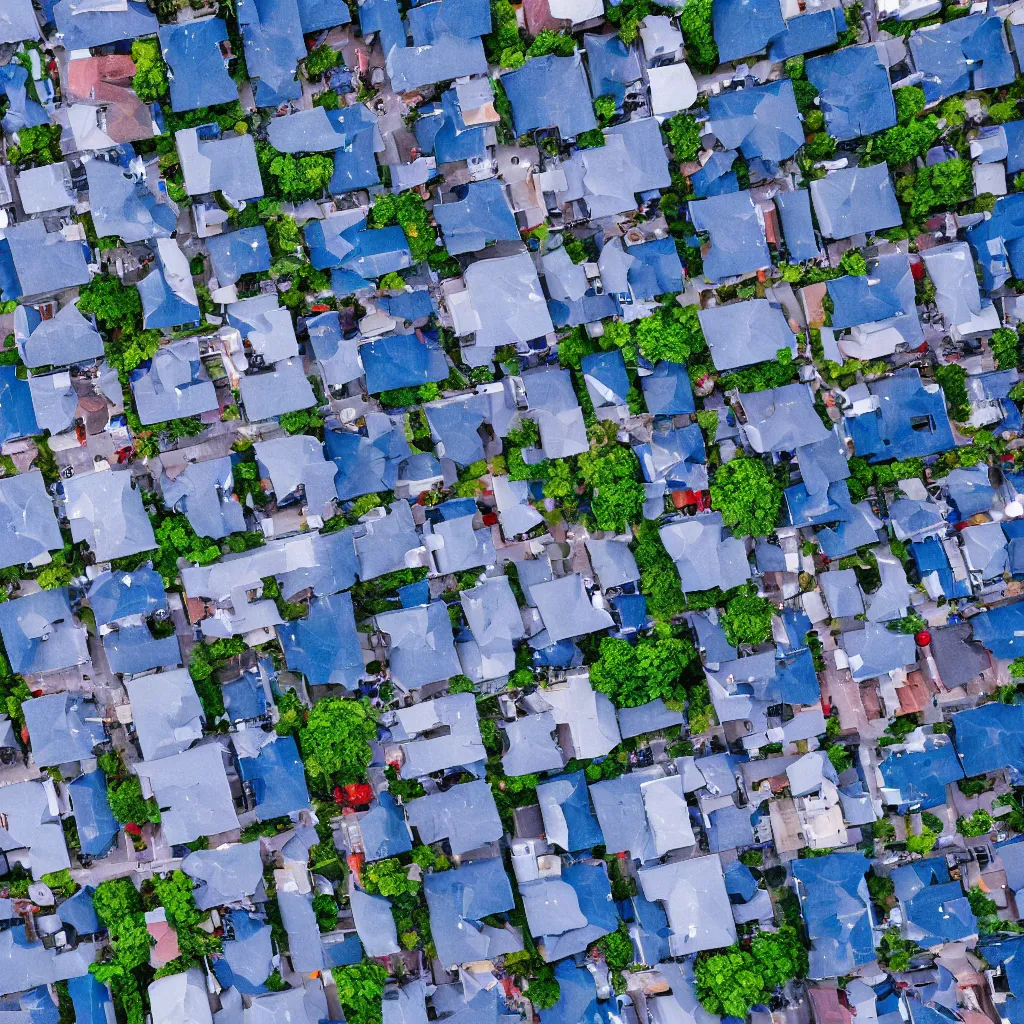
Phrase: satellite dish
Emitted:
{"points": [[41, 894]]}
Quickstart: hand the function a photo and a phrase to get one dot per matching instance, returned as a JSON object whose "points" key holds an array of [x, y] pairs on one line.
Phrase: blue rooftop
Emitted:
{"points": [[911, 420], [402, 361], [324, 647], [550, 92], [919, 777], [745, 27], [963, 54], [97, 827], [990, 737], [738, 243], [855, 95], [277, 778], [197, 72]]}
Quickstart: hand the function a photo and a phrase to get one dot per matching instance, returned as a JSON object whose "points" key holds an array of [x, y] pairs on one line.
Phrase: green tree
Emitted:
{"points": [[978, 824], [359, 988], [683, 134], [336, 739], [953, 380], [981, 905], [617, 948], [150, 81], [294, 178], [617, 495], [840, 757], [544, 990], [119, 908], [321, 60], [780, 955], [905, 142], [895, 952], [674, 335], [748, 497], [632, 676], [127, 803], [38, 145], [923, 843], [939, 187], [548, 41], [1004, 343], [820, 146], [659, 578], [695, 22], [55, 575], [730, 982], [853, 263], [1005, 111], [747, 619], [910, 101], [604, 109]]}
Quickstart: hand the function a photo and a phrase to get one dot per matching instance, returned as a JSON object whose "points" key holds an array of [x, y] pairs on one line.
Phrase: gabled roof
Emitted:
{"points": [[458, 901], [46, 188], [970, 53], [531, 745], [295, 463], [747, 332], [198, 74], [39, 634], [401, 361], [703, 557], [465, 815], [123, 205], [557, 412], [745, 28], [565, 807], [168, 292], [32, 826], [203, 491], [96, 824], [283, 389], [63, 339], [567, 914], [34, 261], [736, 229], [837, 912], [918, 775], [812, 30], [421, 648], [82, 25], [248, 955], [478, 216], [324, 646], [935, 910], [383, 829], [272, 35], [695, 900], [667, 390], [270, 765], [224, 876], [105, 510], [855, 200], [336, 356], [167, 713], [550, 92], [62, 727], [990, 737], [18, 22], [175, 384], [181, 998], [505, 302], [566, 609], [192, 792], [910, 420], [854, 91], [760, 122], [876, 650], [461, 746], [27, 520], [24, 963], [316, 15], [797, 227], [611, 65], [235, 253], [215, 162]]}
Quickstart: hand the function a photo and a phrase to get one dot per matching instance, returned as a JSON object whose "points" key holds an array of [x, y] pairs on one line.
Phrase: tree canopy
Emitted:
{"points": [[336, 739], [654, 668], [748, 497], [732, 980], [747, 619]]}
